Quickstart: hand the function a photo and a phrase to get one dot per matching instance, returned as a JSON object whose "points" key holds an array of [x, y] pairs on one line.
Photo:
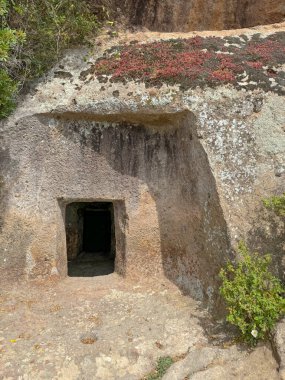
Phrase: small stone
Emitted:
{"points": [[88, 338], [279, 171], [159, 345]]}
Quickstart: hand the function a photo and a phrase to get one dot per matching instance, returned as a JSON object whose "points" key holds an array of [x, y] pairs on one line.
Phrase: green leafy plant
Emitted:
{"points": [[161, 368], [253, 295], [276, 204], [50, 26], [9, 39], [33, 35], [8, 88]]}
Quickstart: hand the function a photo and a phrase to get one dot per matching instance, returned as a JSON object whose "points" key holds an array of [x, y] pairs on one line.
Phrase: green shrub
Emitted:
{"points": [[33, 35], [8, 89], [9, 39], [276, 203], [50, 26], [253, 296]]}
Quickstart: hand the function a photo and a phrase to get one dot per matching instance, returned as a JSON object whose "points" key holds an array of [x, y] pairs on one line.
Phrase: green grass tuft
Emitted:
{"points": [[161, 368]]}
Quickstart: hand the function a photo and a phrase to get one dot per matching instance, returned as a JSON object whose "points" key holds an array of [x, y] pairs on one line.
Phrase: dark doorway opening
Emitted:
{"points": [[90, 238]]}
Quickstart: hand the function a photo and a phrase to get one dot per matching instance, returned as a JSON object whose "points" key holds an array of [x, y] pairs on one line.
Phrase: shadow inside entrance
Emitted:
{"points": [[90, 239], [90, 264]]}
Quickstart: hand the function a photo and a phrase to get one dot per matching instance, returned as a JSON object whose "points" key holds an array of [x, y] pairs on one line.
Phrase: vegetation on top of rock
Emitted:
{"points": [[33, 35], [254, 296], [211, 61]]}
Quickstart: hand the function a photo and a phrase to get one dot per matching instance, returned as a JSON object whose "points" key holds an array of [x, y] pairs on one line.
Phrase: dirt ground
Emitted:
{"points": [[94, 328]]}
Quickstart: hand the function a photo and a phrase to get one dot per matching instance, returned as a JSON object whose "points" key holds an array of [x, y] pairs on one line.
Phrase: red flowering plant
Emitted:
{"points": [[198, 61]]}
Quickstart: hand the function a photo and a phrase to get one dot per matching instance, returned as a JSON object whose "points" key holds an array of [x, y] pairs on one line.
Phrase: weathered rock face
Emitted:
{"points": [[216, 363], [167, 211], [187, 15], [185, 169], [261, 12], [279, 340]]}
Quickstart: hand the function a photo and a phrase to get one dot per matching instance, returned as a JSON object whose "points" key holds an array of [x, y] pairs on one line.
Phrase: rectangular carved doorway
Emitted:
{"points": [[90, 239]]}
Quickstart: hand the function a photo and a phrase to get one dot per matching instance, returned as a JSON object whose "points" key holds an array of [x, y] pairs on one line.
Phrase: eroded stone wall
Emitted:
{"points": [[172, 225]]}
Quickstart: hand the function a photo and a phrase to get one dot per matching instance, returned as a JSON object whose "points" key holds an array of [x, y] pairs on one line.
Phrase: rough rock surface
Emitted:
{"points": [[279, 344], [214, 363], [187, 15]]}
